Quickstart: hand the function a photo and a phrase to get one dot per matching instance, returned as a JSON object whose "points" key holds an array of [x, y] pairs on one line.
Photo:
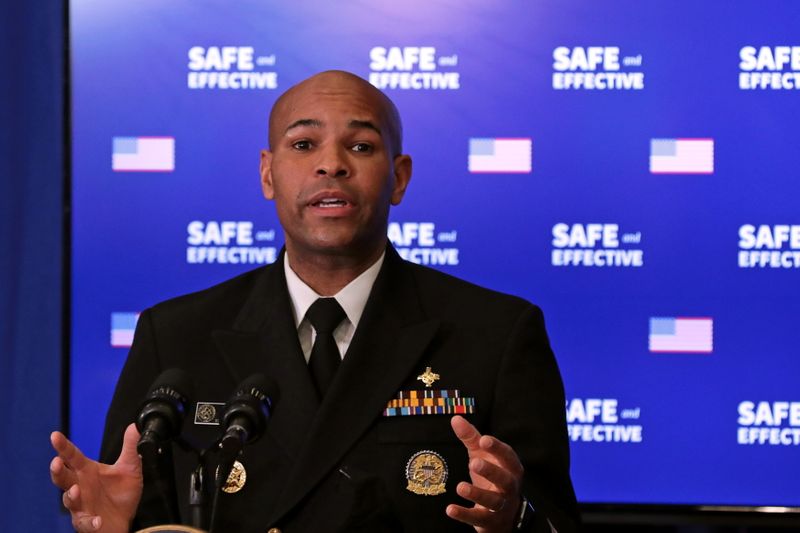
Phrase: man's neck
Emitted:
{"points": [[327, 274]]}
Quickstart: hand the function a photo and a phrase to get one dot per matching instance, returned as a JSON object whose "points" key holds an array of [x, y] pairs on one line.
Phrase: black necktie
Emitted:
{"points": [[325, 315]]}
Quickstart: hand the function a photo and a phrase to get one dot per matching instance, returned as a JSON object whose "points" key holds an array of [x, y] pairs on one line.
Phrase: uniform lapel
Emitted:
{"points": [[391, 338], [264, 340]]}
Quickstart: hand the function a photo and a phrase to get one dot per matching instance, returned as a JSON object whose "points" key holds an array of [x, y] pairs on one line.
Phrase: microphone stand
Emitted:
{"points": [[153, 474], [198, 501], [246, 414], [230, 448]]}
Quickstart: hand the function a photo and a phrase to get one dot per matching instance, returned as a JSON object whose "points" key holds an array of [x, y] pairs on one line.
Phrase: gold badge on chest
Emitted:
{"points": [[236, 479], [426, 473]]}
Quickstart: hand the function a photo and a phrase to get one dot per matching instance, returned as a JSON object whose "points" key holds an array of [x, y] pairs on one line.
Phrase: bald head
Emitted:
{"points": [[337, 83]]}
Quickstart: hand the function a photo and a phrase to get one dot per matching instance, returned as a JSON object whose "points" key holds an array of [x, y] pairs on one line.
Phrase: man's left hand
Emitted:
{"points": [[496, 474]]}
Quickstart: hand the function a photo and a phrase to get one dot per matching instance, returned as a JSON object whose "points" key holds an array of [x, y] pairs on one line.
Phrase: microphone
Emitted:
{"points": [[159, 421], [246, 414], [161, 415], [245, 418]]}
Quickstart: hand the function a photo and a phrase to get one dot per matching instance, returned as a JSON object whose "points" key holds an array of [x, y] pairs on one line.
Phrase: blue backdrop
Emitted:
{"points": [[31, 141], [621, 168]]}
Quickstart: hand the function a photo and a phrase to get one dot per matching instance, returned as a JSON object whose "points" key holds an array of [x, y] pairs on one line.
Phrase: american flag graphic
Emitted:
{"points": [[122, 327], [499, 155], [681, 334], [682, 156], [143, 154]]}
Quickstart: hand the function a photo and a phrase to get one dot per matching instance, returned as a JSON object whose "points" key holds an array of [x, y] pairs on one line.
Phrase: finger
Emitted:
{"points": [[475, 516], [504, 480], [489, 499], [61, 476], [69, 453], [65, 500], [87, 523], [72, 499], [128, 457], [503, 453], [81, 520], [466, 433]]}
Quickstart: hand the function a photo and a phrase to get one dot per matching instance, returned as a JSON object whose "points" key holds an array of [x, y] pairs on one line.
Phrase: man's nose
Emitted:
{"points": [[333, 163]]}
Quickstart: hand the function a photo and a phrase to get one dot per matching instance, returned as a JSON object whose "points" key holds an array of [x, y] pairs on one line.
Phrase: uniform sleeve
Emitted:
{"points": [[529, 415]]}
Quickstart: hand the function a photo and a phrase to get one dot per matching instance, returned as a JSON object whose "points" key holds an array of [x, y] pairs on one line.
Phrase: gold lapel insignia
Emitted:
{"points": [[426, 473], [236, 479], [428, 377], [207, 413]]}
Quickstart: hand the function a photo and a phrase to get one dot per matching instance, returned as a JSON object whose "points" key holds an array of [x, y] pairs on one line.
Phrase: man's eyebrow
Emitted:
{"points": [[364, 124], [311, 122], [314, 123]]}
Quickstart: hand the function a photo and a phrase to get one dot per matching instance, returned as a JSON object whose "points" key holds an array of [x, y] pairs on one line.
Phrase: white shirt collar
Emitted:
{"points": [[352, 298]]}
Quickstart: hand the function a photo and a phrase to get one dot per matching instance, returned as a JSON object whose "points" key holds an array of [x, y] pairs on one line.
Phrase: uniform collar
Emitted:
{"points": [[352, 297]]}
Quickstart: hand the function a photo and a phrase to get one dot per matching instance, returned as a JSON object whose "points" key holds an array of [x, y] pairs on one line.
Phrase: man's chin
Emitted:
{"points": [[344, 246]]}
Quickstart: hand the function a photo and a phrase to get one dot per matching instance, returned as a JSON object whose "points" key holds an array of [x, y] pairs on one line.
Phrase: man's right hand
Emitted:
{"points": [[100, 498]]}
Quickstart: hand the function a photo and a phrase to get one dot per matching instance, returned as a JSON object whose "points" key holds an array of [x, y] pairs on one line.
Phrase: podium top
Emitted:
{"points": [[171, 528]]}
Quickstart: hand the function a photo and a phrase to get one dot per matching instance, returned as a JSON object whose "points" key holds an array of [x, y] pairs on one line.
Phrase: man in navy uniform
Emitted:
{"points": [[372, 357]]}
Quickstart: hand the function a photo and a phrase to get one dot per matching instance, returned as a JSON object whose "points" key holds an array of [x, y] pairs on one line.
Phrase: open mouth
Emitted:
{"points": [[330, 202]]}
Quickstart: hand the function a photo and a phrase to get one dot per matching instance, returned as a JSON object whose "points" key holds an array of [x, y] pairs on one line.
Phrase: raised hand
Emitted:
{"points": [[101, 498], [496, 474]]}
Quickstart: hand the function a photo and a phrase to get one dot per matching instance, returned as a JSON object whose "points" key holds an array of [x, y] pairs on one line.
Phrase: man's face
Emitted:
{"points": [[330, 169]]}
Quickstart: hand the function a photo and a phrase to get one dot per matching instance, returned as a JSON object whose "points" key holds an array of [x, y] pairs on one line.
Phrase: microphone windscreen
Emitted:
{"points": [[258, 386], [164, 406], [252, 402], [175, 379]]}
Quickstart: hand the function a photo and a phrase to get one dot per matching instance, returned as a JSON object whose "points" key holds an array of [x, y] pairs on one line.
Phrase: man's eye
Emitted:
{"points": [[301, 145], [362, 147]]}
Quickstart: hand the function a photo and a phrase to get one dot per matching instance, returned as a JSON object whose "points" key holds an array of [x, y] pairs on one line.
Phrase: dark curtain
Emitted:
{"points": [[31, 226]]}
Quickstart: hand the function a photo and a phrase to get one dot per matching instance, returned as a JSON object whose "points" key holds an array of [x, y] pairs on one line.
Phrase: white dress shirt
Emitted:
{"points": [[352, 298]]}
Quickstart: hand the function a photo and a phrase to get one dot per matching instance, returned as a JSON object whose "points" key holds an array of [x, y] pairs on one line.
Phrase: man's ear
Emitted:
{"points": [[402, 175], [266, 174]]}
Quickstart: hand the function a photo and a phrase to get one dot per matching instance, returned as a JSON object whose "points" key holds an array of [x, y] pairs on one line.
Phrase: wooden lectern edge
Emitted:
{"points": [[171, 528]]}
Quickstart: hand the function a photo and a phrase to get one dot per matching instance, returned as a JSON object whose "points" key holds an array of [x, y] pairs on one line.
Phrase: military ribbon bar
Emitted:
{"points": [[429, 402]]}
